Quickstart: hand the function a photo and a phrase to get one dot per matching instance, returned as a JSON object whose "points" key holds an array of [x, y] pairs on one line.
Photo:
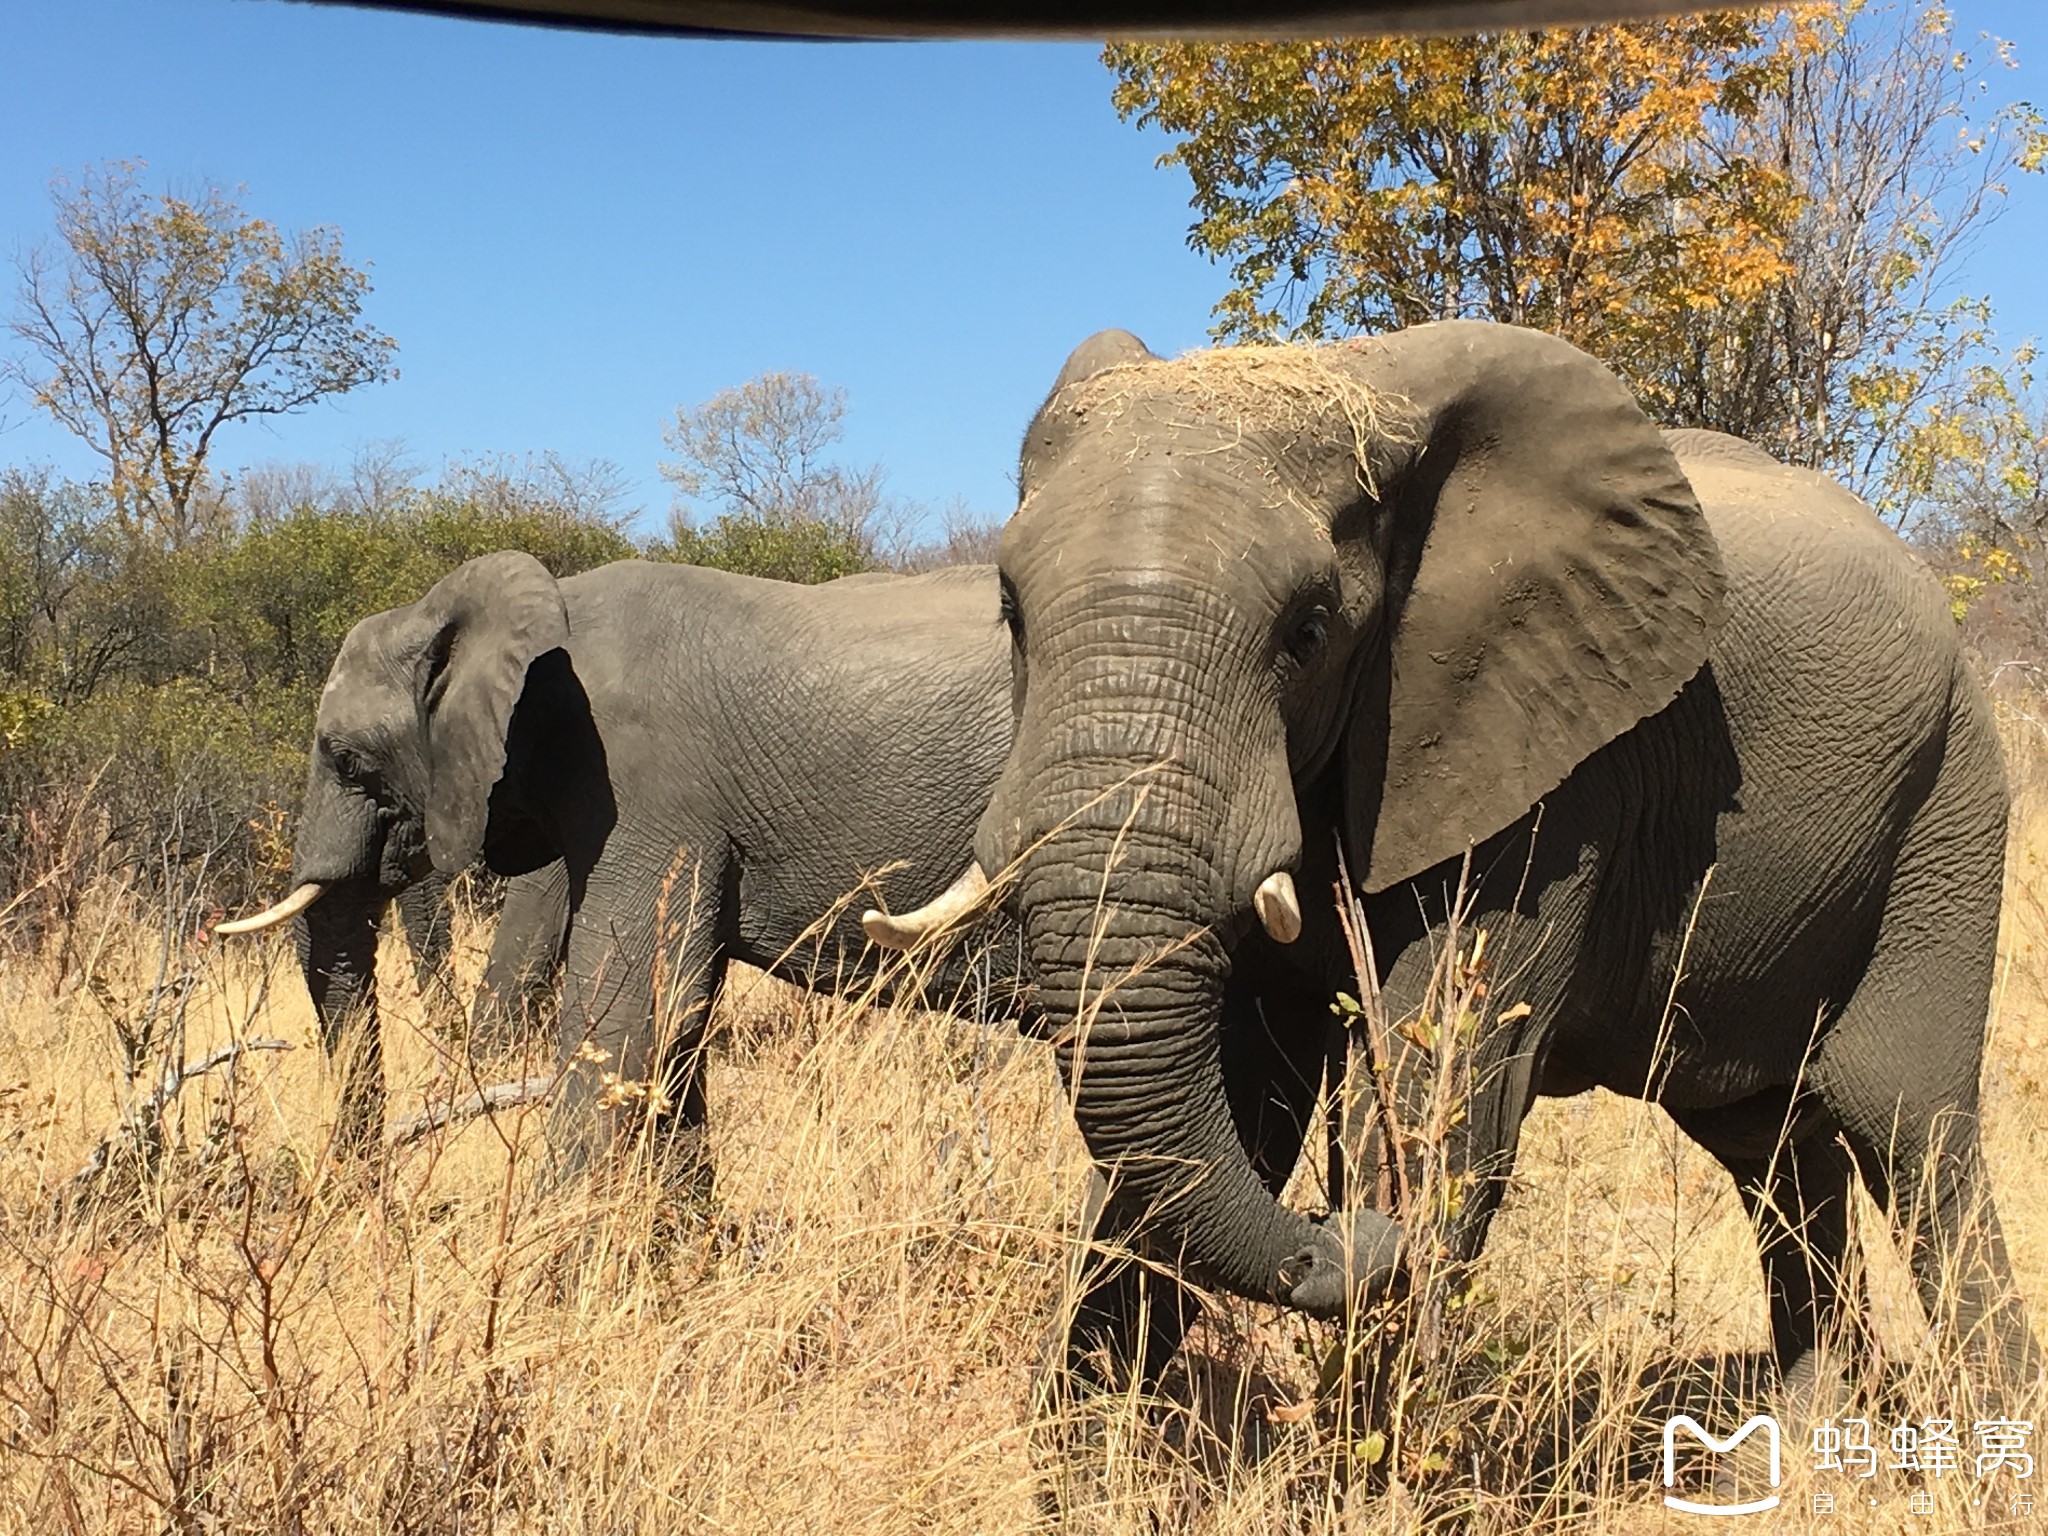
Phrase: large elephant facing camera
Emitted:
{"points": [[1700, 719], [700, 766]]}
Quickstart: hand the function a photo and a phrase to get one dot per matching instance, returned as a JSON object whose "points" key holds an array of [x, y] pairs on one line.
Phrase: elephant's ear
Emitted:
{"points": [[1550, 583], [488, 619]]}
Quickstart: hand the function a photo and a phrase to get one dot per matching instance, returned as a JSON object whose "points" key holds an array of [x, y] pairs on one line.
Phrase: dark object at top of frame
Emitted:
{"points": [[1041, 18]]}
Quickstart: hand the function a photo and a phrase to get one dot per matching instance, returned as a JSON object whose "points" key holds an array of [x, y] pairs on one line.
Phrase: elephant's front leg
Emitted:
{"points": [[427, 915], [644, 963], [526, 948]]}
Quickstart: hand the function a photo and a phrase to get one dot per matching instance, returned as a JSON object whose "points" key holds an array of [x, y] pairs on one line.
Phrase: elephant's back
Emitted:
{"points": [[1838, 661], [820, 733], [1811, 565]]}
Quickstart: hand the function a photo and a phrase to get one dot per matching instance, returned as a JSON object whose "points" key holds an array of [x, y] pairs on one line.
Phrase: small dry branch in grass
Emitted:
{"points": [[1408, 1088], [137, 1141], [485, 1101]]}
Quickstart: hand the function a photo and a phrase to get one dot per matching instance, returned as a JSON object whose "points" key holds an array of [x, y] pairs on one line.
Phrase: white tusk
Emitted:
{"points": [[283, 912], [1277, 907], [949, 906]]}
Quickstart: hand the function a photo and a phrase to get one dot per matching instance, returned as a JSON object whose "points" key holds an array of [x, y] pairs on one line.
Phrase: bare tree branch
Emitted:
{"points": [[141, 1129], [485, 1101], [159, 321]]}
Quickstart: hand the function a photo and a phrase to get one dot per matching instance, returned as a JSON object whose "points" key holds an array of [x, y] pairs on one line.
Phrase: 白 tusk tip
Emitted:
{"points": [[1278, 908], [949, 906], [283, 912]]}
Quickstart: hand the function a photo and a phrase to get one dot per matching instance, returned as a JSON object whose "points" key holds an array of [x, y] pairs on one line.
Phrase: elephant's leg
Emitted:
{"points": [[1899, 1068], [1125, 1318], [526, 951], [692, 975], [606, 1020], [1128, 1316], [1931, 1177], [1798, 1201], [625, 1078], [428, 920]]}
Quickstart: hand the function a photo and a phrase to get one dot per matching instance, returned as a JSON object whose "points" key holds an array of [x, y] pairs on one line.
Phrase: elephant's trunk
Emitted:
{"points": [[337, 945], [357, 857], [1142, 1062], [1147, 832]]}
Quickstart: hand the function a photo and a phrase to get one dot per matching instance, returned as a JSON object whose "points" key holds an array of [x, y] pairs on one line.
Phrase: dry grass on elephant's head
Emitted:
{"points": [[1277, 394]]}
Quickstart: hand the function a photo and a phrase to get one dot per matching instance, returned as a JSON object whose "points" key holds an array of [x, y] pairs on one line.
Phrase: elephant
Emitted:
{"points": [[527, 939], [680, 766], [427, 920], [1690, 729]]}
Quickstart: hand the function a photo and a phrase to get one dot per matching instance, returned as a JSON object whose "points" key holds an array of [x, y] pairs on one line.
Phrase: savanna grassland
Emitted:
{"points": [[231, 1330]]}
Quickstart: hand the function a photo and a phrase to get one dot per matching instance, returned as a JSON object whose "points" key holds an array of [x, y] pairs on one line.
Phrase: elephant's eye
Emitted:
{"points": [[349, 766], [1008, 609], [1309, 634]]}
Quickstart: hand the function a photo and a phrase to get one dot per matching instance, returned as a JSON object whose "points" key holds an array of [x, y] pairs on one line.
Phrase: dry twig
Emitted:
{"points": [[485, 1101], [139, 1135]]}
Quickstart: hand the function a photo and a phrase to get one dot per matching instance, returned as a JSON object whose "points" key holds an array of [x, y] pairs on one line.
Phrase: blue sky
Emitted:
{"points": [[570, 235]]}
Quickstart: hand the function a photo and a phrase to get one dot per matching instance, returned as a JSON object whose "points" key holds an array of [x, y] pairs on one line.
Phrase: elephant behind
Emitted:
{"points": [[1732, 802], [709, 762]]}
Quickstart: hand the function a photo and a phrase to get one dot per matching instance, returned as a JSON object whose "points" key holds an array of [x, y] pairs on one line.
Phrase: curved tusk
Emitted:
{"points": [[283, 912], [1277, 907], [949, 906]]}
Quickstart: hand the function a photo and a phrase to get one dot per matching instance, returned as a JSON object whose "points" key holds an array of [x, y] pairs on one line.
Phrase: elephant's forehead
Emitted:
{"points": [[1161, 528], [362, 689], [1150, 495]]}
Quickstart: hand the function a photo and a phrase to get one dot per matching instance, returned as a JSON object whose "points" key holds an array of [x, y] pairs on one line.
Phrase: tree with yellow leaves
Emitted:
{"points": [[1754, 217]]}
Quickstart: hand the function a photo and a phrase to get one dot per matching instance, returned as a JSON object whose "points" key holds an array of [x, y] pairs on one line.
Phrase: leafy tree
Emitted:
{"points": [[1538, 178], [1752, 216], [1861, 357], [755, 457], [157, 321], [80, 602]]}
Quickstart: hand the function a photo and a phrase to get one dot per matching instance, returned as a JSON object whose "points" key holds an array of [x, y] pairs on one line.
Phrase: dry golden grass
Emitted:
{"points": [[265, 1342]]}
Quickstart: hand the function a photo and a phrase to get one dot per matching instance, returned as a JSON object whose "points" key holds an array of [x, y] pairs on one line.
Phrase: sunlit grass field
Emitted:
{"points": [[246, 1336]]}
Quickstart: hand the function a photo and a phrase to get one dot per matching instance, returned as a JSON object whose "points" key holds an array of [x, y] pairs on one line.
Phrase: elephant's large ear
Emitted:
{"points": [[1550, 583], [489, 618]]}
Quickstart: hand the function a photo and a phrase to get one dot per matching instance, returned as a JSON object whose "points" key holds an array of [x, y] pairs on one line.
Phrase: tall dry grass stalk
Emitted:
{"points": [[252, 1335]]}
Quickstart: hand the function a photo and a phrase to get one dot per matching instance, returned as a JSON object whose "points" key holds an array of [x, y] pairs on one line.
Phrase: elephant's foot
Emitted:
{"points": [[359, 1122]]}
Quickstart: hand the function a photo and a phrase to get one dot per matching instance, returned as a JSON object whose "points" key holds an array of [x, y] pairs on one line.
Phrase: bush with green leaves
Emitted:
{"points": [[156, 702]]}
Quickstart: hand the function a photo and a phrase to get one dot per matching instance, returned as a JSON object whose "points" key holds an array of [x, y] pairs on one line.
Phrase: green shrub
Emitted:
{"points": [[156, 704], [803, 551]]}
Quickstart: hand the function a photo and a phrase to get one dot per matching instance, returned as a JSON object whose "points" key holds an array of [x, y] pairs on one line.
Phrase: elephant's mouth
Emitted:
{"points": [[967, 900]]}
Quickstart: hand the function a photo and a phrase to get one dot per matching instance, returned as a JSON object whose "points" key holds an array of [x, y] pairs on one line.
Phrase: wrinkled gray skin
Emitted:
{"points": [[731, 754], [516, 992], [427, 920], [515, 996], [1693, 657]]}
